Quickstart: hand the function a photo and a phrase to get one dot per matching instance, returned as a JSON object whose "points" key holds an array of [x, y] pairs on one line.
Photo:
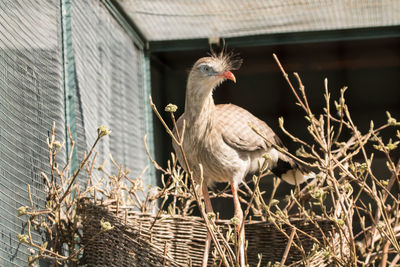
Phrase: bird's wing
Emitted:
{"points": [[233, 123]]}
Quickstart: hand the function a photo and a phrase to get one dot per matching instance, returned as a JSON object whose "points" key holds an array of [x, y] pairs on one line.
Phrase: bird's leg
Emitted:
{"points": [[209, 209], [238, 213]]}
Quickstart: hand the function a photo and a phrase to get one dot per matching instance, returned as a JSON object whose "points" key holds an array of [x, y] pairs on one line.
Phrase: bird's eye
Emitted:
{"points": [[207, 69]]}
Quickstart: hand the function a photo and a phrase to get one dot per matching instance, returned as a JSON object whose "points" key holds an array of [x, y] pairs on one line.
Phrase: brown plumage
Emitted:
{"points": [[219, 136]]}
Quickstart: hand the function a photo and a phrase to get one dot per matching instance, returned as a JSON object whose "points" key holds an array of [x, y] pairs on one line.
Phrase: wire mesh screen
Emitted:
{"points": [[105, 83], [183, 19], [109, 85], [31, 99]]}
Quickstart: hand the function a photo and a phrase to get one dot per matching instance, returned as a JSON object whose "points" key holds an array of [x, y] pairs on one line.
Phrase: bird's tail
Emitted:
{"points": [[287, 169], [296, 176]]}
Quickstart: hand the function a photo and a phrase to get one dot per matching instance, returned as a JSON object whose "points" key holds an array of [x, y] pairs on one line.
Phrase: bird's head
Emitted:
{"points": [[209, 72]]}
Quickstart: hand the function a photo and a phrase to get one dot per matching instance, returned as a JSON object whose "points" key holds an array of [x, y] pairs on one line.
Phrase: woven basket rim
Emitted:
{"points": [[294, 218]]}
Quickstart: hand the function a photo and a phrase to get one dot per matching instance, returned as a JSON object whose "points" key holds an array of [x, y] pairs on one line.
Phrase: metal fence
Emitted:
{"points": [[74, 63]]}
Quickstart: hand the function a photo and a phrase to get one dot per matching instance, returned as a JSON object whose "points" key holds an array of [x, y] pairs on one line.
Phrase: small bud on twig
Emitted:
{"points": [[327, 253], [23, 238], [171, 108], [348, 189], [381, 225], [391, 145], [211, 216], [57, 144], [391, 121], [235, 221], [22, 210], [101, 167], [105, 226], [319, 194], [340, 222], [267, 156], [103, 131]]}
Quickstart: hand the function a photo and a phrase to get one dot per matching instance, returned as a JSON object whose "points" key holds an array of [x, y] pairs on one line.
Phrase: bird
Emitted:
{"points": [[219, 142]]}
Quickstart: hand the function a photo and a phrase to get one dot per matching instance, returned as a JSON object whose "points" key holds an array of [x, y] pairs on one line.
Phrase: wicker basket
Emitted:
{"points": [[179, 241]]}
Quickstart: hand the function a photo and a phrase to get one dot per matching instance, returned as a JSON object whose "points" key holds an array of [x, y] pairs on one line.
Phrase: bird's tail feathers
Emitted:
{"points": [[290, 171], [297, 176]]}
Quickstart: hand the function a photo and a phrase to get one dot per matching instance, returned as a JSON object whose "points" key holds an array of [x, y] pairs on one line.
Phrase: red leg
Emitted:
{"points": [[209, 208], [238, 213]]}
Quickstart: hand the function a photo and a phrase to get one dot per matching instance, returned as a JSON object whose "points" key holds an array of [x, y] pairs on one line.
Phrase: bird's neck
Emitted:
{"points": [[199, 109]]}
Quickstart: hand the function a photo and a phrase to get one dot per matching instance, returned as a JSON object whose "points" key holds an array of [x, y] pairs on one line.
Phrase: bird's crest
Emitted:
{"points": [[231, 59]]}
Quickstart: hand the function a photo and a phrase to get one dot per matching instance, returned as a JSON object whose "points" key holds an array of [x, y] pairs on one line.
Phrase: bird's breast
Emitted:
{"points": [[220, 162]]}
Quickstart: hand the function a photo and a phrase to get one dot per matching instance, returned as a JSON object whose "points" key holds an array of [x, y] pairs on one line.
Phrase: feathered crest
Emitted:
{"points": [[230, 58]]}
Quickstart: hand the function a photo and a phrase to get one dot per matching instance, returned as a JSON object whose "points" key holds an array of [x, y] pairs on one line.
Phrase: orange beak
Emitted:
{"points": [[228, 75]]}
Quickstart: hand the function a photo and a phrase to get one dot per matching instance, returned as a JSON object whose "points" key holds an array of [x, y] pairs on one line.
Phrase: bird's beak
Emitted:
{"points": [[228, 75]]}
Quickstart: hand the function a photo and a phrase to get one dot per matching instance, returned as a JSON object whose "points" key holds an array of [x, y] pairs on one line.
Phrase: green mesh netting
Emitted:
{"points": [[43, 41], [31, 99], [185, 19], [109, 86]]}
